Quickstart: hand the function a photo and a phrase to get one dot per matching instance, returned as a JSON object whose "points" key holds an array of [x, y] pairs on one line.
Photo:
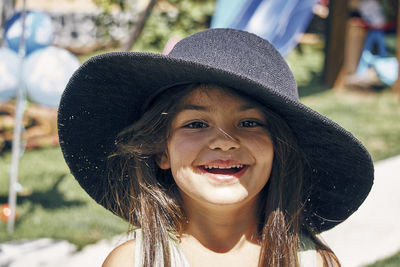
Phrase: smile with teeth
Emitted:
{"points": [[223, 170]]}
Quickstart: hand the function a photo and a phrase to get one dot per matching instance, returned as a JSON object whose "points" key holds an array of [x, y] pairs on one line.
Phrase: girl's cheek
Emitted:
{"points": [[260, 137], [188, 141]]}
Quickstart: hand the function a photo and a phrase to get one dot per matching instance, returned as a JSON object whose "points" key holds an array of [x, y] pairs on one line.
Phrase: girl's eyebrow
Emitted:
{"points": [[194, 107], [247, 107]]}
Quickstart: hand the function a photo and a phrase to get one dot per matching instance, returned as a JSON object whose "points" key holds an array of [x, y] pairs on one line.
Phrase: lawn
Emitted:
{"points": [[372, 116], [52, 204], [393, 261]]}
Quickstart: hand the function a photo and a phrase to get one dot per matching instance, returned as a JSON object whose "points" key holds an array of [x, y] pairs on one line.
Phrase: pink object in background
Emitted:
{"points": [[169, 45]]}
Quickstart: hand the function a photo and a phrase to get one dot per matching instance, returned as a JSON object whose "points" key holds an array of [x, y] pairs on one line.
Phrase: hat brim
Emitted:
{"points": [[108, 92]]}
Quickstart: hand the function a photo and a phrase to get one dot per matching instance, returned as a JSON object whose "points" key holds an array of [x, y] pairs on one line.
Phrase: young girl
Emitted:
{"points": [[209, 155]]}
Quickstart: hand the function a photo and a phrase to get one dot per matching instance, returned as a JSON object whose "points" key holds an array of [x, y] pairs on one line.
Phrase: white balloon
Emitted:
{"points": [[46, 72], [9, 63]]}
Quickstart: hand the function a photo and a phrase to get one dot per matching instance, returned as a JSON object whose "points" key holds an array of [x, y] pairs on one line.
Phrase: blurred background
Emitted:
{"points": [[344, 55]]}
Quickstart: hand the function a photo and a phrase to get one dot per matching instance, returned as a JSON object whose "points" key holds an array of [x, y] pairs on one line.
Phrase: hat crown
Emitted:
{"points": [[239, 52]]}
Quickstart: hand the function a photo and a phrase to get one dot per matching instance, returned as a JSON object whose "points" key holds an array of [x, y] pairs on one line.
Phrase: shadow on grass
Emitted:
{"points": [[52, 198], [314, 86]]}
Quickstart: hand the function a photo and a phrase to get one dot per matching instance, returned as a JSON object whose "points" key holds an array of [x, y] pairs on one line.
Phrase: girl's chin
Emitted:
{"points": [[222, 180], [225, 197]]}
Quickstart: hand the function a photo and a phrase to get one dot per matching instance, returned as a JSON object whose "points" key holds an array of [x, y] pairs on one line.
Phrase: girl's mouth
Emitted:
{"points": [[234, 170]]}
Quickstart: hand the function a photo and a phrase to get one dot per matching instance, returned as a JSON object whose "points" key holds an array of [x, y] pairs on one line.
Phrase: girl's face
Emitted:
{"points": [[219, 151]]}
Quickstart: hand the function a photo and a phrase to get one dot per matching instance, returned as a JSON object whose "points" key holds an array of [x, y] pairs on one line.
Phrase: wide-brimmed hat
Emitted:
{"points": [[108, 93]]}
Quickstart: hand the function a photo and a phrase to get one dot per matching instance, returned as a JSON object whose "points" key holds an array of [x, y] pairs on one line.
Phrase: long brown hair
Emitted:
{"points": [[148, 198]]}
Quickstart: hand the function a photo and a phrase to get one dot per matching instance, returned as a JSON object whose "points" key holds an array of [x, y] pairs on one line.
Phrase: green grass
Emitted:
{"points": [[372, 116], [306, 64], [393, 261], [53, 204]]}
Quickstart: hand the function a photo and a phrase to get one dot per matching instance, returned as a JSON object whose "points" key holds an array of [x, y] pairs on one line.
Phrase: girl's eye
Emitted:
{"points": [[196, 125], [249, 124]]}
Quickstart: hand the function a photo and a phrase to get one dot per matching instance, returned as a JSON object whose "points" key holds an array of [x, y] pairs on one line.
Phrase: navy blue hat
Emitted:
{"points": [[109, 93]]}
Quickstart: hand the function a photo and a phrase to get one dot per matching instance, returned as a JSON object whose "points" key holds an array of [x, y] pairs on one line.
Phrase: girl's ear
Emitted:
{"points": [[163, 161]]}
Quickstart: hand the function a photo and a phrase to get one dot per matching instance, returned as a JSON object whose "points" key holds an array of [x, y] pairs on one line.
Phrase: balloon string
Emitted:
{"points": [[19, 112]]}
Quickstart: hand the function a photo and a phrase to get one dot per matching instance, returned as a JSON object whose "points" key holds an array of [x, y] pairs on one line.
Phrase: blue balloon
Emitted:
{"points": [[9, 64], [46, 73], [39, 31]]}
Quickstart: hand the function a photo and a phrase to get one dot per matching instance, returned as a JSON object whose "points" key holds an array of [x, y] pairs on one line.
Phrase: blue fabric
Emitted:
{"points": [[386, 67], [279, 22], [375, 37], [247, 12], [224, 16]]}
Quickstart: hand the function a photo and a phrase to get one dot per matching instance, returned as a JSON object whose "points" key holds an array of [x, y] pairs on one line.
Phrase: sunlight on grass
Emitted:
{"points": [[393, 261], [371, 117], [52, 204]]}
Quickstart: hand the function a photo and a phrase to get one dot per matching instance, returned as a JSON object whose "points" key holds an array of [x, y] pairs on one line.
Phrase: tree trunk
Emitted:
{"points": [[334, 41], [6, 10], [139, 26], [396, 86]]}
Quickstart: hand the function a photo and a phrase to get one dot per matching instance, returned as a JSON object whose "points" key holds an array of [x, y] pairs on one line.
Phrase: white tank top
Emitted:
{"points": [[307, 253]]}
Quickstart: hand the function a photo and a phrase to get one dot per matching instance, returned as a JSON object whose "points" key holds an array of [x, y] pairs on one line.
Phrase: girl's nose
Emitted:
{"points": [[224, 141]]}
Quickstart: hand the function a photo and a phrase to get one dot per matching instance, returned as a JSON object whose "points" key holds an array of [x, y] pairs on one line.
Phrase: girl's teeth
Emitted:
{"points": [[221, 167]]}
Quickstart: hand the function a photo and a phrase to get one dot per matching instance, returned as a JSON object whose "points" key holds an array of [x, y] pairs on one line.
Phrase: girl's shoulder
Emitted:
{"points": [[122, 256]]}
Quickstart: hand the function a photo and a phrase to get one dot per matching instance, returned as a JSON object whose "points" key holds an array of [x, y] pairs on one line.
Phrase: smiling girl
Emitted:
{"points": [[209, 155]]}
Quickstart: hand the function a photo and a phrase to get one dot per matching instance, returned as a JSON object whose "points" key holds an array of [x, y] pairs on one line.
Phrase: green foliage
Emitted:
{"points": [[168, 18], [306, 63], [107, 5], [389, 9], [174, 18]]}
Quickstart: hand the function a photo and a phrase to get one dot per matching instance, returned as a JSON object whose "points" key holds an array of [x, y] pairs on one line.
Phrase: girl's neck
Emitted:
{"points": [[222, 228]]}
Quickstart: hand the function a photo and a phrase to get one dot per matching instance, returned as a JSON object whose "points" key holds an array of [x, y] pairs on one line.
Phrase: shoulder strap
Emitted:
{"points": [[308, 258], [307, 254], [178, 259], [139, 261]]}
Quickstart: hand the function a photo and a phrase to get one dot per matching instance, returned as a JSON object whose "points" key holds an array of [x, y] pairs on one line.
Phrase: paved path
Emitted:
{"points": [[47, 252], [371, 233]]}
